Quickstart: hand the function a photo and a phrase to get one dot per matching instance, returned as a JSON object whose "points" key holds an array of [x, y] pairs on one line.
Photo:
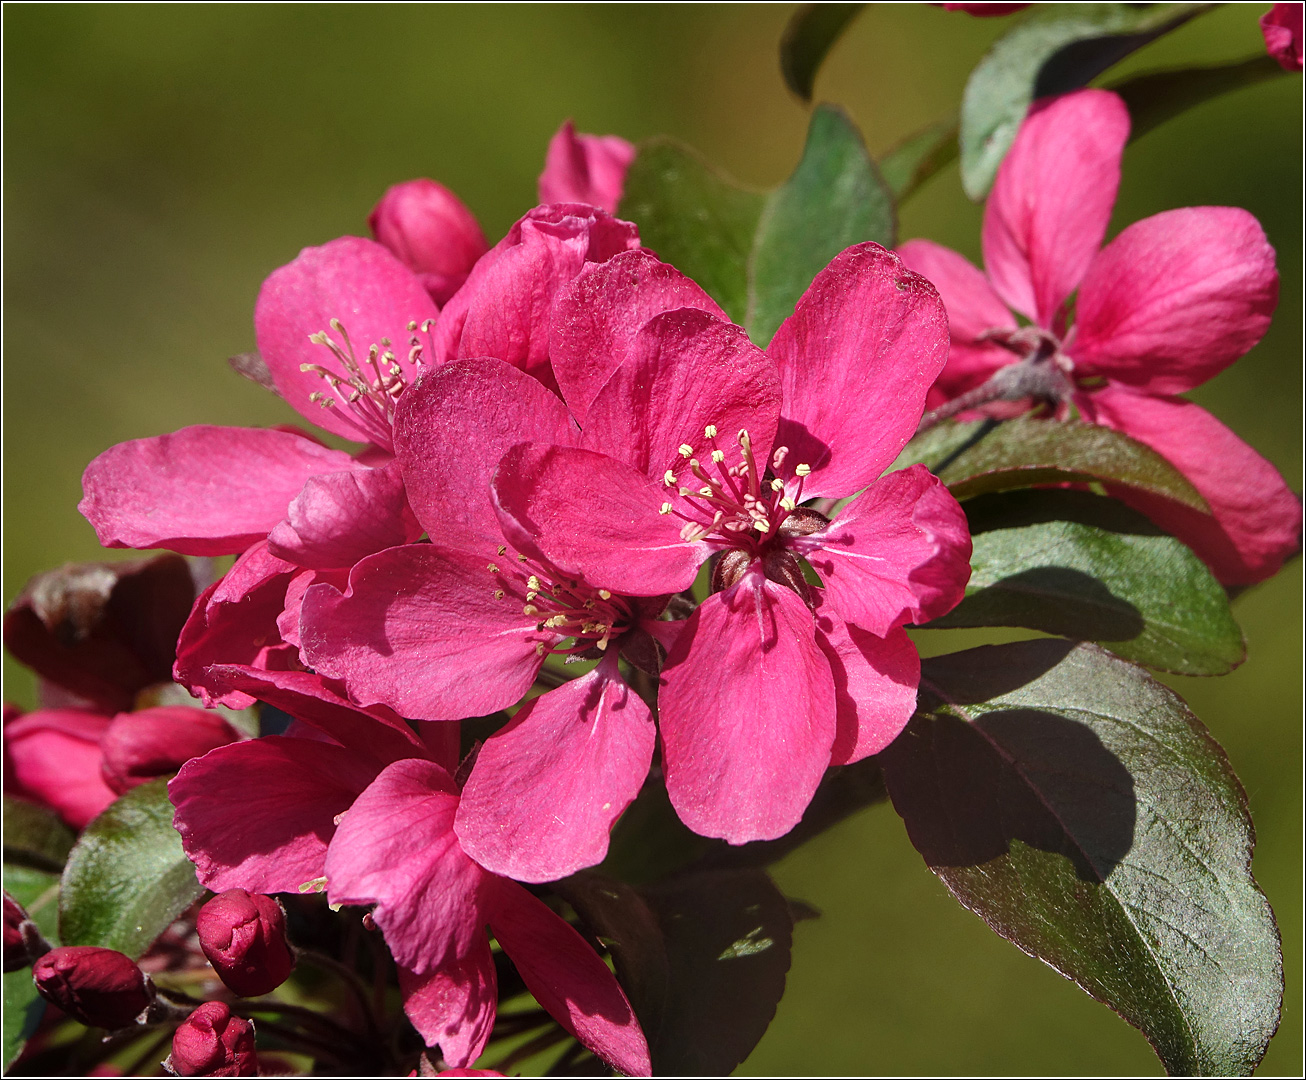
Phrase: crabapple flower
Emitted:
{"points": [[1282, 28], [213, 1042], [700, 445], [1169, 303], [431, 232], [585, 169]]}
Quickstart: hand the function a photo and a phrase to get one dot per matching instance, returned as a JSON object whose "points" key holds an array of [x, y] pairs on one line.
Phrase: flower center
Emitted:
{"points": [[365, 396]]}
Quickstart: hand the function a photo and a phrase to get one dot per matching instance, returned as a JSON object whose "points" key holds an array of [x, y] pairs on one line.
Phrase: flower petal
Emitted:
{"points": [[856, 357], [53, 758], [148, 743], [431, 232], [454, 1007], [1281, 27], [1052, 199], [546, 790], [203, 490], [567, 977], [747, 713], [585, 169], [1255, 520], [1176, 298]]}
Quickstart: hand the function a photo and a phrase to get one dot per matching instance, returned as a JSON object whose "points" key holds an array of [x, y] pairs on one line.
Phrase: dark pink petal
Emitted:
{"points": [[139, 746], [585, 169], [341, 517], [875, 681], [355, 281], [1255, 520], [288, 620], [396, 848], [1281, 27], [202, 490], [420, 629], [567, 977], [53, 758], [856, 357], [454, 1007], [686, 370], [258, 815], [595, 517], [597, 317], [747, 713], [546, 790], [1176, 298], [899, 552], [1052, 199], [452, 428], [433, 234]]}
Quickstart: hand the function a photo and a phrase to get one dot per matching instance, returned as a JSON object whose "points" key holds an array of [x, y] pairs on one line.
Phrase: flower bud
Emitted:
{"points": [[139, 746], [244, 937], [23, 941], [98, 987], [212, 1042], [585, 169], [431, 232]]}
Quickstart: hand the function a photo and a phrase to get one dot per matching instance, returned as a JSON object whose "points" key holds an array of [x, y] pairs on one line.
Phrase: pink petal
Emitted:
{"points": [[396, 848], [597, 317], [856, 357], [875, 681], [1052, 199], [1176, 298], [454, 1007], [686, 370], [53, 758], [585, 169], [1281, 27], [1255, 521], [203, 490], [419, 629], [899, 552], [567, 977], [452, 428], [139, 746], [747, 713], [546, 790], [433, 234], [258, 815], [594, 517]]}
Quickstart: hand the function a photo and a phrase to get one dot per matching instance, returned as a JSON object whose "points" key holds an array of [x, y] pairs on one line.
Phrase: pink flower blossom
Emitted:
{"points": [[1169, 303], [585, 169], [431, 232], [1282, 29]]}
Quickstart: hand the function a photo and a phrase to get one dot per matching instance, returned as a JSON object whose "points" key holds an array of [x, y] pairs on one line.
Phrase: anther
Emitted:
{"points": [[778, 458], [668, 478], [604, 594], [777, 484], [710, 431], [665, 508], [521, 558], [803, 470], [502, 549], [491, 568], [412, 325], [530, 609], [498, 594], [685, 450], [788, 504], [533, 582], [718, 456]]}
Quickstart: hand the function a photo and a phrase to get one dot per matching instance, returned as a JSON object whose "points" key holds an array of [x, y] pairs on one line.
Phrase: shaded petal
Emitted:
{"points": [[899, 552], [139, 746], [53, 758], [1175, 299], [341, 517], [258, 815], [396, 848], [1281, 27], [747, 713], [546, 790], [353, 280], [855, 358], [875, 681], [419, 629], [431, 232], [1255, 520], [452, 428], [454, 1007], [1052, 199], [567, 977], [203, 490], [585, 168], [599, 314], [592, 516]]}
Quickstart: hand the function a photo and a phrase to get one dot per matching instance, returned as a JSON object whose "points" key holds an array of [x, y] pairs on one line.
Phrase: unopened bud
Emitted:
{"points": [[138, 746], [244, 937], [431, 232], [98, 987], [23, 941], [213, 1042]]}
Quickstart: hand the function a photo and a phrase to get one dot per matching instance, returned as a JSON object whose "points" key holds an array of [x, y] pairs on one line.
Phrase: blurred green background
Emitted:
{"points": [[161, 160]]}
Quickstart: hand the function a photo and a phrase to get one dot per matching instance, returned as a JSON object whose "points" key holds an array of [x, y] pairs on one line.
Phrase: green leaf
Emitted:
{"points": [[1122, 583], [982, 456], [127, 877], [23, 1008], [703, 958], [909, 163], [35, 836], [807, 39], [755, 252], [1079, 808], [1057, 48]]}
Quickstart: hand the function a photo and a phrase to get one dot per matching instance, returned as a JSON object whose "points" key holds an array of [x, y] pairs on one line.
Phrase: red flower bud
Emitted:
{"points": [[17, 924], [212, 1042], [244, 937], [99, 987], [431, 232], [139, 746]]}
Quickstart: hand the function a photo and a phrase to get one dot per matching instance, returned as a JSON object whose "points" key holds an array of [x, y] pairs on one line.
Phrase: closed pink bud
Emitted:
{"points": [[213, 1042], [99, 987], [431, 232], [585, 168], [244, 937], [138, 746]]}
